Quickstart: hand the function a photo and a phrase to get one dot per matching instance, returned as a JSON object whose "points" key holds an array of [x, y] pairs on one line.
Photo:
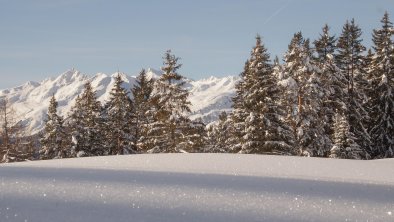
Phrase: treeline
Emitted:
{"points": [[328, 98]]}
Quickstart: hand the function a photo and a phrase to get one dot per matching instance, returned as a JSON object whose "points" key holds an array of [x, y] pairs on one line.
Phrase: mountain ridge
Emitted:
{"points": [[209, 96]]}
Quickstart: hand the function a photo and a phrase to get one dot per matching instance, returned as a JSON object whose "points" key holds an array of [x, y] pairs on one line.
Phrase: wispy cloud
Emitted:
{"points": [[276, 13]]}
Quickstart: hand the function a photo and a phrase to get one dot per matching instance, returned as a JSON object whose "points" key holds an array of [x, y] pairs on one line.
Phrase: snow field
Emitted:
{"points": [[197, 187]]}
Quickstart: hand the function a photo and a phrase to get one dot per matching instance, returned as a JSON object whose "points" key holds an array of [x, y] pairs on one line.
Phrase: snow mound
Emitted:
{"points": [[197, 187]]}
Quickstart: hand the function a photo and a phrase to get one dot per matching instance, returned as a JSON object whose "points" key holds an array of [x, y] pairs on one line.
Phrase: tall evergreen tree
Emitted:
{"points": [[120, 120], [54, 140], [333, 83], [303, 99], [219, 134], [381, 92], [345, 146], [238, 116], [263, 132], [350, 60], [11, 133], [325, 46], [277, 69], [143, 117], [86, 125], [169, 129]]}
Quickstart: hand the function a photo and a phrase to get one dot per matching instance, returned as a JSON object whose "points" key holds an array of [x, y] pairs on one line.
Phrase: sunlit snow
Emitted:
{"points": [[197, 187]]}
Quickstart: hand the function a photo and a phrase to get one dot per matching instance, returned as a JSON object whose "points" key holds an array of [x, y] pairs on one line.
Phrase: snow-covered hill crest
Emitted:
{"points": [[209, 97]]}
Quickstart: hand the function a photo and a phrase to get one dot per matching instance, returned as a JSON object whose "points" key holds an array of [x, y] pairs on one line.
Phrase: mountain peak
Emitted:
{"points": [[121, 74], [153, 73], [209, 97], [69, 76]]}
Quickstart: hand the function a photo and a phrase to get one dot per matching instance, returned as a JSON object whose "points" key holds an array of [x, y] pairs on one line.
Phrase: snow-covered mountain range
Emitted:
{"points": [[209, 97]]}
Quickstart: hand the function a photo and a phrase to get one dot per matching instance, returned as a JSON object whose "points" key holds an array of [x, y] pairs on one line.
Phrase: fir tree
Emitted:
{"points": [[263, 128], [381, 92], [120, 120], [54, 140], [303, 100], [142, 93], [218, 135], [325, 46], [86, 125], [351, 62], [169, 130], [238, 116], [345, 146], [277, 69], [333, 83], [11, 133]]}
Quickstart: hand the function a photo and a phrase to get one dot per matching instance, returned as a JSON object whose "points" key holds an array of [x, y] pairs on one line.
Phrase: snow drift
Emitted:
{"points": [[197, 187]]}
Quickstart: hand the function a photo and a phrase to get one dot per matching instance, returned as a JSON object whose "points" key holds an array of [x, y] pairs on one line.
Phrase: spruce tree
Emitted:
{"points": [[263, 127], [120, 120], [239, 114], [277, 69], [325, 46], [351, 61], [11, 133], [218, 134], [143, 117], [333, 83], [54, 144], [344, 146], [86, 124], [381, 92], [170, 104], [303, 99]]}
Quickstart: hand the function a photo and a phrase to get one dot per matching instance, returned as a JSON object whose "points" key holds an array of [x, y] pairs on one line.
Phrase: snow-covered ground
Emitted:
{"points": [[197, 187]]}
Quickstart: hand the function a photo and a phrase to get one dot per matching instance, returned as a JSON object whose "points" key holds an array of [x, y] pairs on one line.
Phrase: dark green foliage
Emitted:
{"points": [[256, 111], [381, 91], [345, 146], [169, 130], [87, 125], [351, 62], [54, 142], [142, 94], [120, 121]]}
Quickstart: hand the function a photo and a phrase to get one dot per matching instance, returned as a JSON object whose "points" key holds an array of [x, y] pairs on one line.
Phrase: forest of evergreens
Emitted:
{"points": [[330, 97]]}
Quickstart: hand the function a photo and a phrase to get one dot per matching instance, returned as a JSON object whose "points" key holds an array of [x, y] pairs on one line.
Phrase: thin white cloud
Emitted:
{"points": [[276, 13]]}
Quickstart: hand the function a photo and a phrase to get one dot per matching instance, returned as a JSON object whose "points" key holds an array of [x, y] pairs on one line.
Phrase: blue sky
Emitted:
{"points": [[43, 38]]}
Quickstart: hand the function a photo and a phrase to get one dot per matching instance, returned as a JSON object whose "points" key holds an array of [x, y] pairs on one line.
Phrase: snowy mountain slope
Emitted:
{"points": [[209, 96], [197, 187]]}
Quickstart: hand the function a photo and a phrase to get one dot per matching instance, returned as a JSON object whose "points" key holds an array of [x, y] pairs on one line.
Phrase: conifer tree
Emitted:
{"points": [[351, 62], [238, 116], [303, 99], [218, 134], [120, 120], [143, 117], [54, 140], [345, 146], [277, 69], [86, 125], [333, 83], [381, 91], [168, 131], [325, 46], [11, 133], [263, 128]]}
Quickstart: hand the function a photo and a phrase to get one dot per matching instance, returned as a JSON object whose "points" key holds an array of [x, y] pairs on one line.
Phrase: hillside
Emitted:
{"points": [[209, 97], [197, 187]]}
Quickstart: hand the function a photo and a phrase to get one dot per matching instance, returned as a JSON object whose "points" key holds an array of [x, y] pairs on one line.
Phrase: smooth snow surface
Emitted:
{"points": [[197, 187]]}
